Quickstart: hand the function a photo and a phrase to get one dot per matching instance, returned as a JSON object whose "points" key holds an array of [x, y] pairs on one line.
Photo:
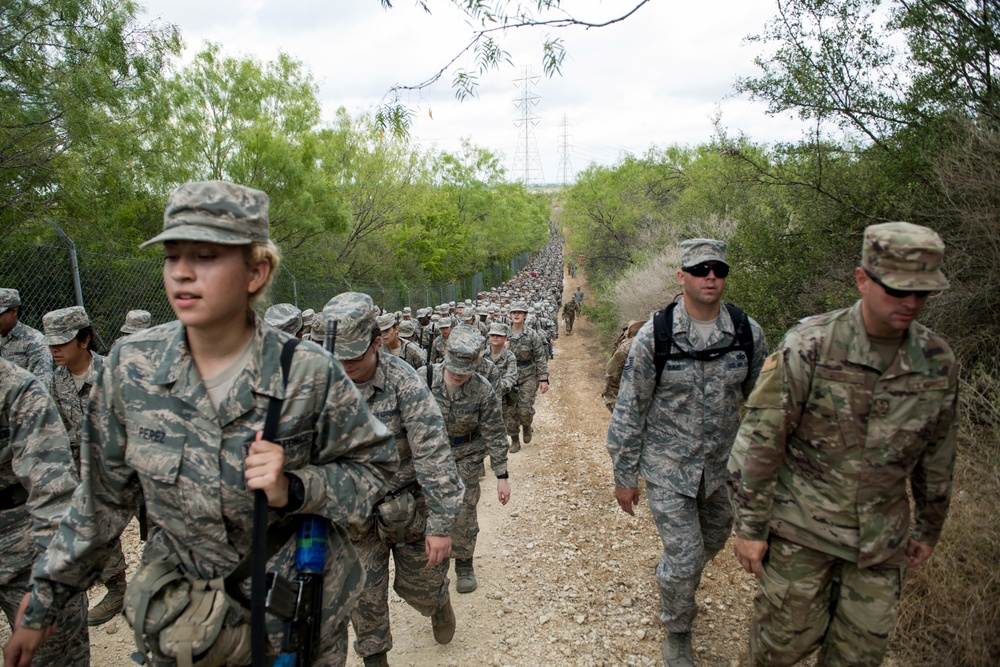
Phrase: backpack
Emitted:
{"points": [[663, 339]]}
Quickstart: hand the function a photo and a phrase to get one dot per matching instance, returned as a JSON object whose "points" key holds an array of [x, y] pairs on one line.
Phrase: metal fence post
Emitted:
{"points": [[295, 287], [72, 261]]}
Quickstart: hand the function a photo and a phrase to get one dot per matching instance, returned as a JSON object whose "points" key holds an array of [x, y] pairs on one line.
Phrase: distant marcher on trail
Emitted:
{"points": [[578, 296], [20, 344], [853, 403], [532, 374], [677, 428], [570, 309], [178, 413]]}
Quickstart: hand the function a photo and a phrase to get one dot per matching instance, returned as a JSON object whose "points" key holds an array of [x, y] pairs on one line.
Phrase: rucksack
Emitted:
{"points": [[663, 339]]}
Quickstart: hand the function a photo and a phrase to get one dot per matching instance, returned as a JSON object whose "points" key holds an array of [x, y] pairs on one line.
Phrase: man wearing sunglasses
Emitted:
{"points": [[853, 404], [674, 422]]}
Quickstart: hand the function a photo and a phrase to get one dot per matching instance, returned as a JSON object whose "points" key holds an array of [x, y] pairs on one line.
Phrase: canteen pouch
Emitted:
{"points": [[183, 618], [393, 515]]}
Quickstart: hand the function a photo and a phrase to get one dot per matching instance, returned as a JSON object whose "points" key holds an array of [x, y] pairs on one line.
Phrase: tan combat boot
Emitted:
{"points": [[443, 622], [465, 576], [515, 444], [527, 433], [111, 605]]}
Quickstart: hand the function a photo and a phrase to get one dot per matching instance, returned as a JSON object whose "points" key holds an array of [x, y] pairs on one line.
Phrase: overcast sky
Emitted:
{"points": [[655, 79]]}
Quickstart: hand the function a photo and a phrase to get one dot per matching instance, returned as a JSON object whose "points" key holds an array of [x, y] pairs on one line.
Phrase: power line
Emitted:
{"points": [[526, 157], [565, 167]]}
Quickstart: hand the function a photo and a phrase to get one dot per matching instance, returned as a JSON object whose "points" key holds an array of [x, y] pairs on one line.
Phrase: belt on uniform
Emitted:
{"points": [[462, 439], [13, 496]]}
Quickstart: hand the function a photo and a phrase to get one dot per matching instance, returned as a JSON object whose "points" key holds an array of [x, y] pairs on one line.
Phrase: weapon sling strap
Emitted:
{"points": [[258, 552], [663, 339]]}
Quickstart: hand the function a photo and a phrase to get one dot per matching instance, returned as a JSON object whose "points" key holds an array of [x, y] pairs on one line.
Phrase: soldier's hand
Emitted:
{"points": [[437, 549], [917, 553], [265, 471], [503, 491], [627, 498], [543, 386], [24, 643], [750, 554]]}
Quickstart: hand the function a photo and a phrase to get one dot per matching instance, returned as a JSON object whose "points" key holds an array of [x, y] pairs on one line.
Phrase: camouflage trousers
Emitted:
{"points": [[808, 599], [693, 531], [523, 413], [423, 589], [115, 567], [466, 529], [509, 406], [569, 317], [70, 645]]}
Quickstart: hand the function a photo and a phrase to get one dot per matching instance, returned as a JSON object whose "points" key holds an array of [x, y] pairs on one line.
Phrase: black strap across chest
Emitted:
{"points": [[664, 349]]}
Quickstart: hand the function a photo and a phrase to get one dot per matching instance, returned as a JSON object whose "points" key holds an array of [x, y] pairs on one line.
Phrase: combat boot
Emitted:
{"points": [[443, 622], [111, 605], [465, 576], [677, 650], [527, 433], [515, 444], [377, 660]]}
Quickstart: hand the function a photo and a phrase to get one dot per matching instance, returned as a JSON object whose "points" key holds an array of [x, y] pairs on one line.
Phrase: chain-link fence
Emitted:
{"points": [[56, 275]]}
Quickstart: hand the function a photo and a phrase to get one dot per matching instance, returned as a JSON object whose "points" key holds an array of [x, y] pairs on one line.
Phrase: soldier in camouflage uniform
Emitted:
{"points": [[178, 412], [532, 373], [506, 364], [394, 345], [440, 344], [474, 421], [427, 480], [569, 315], [135, 321], [70, 337], [37, 480], [285, 317], [616, 364], [852, 404], [20, 344], [678, 434]]}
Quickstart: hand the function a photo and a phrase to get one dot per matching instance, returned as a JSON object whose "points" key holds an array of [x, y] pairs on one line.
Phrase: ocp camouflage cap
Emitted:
{"points": [[386, 321], [136, 320], [356, 314], [215, 212], [284, 316], [462, 353], [9, 298], [696, 251], [904, 256], [61, 326]]}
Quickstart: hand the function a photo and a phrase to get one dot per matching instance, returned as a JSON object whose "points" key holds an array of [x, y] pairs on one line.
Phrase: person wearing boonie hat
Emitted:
{"points": [[827, 503], [680, 422], [409, 352], [135, 321], [474, 422], [532, 373], [72, 341], [20, 344], [285, 317], [427, 480], [198, 381], [506, 363]]}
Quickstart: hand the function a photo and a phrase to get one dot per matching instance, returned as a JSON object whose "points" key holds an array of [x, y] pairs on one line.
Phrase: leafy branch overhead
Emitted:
{"points": [[488, 22]]}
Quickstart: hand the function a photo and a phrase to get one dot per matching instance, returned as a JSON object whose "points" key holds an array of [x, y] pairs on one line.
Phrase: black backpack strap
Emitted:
{"points": [[663, 338], [663, 333], [744, 333]]}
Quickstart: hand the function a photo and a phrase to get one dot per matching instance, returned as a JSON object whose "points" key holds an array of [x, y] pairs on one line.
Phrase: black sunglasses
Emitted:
{"points": [[897, 293], [702, 270]]}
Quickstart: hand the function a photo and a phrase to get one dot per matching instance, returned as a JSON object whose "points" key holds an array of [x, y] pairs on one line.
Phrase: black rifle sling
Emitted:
{"points": [[258, 553], [663, 339]]}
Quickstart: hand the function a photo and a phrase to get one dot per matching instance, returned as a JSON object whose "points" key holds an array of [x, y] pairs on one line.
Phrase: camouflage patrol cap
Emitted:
{"points": [[498, 329], [307, 317], [904, 256], [214, 212], [444, 322], [443, 309], [462, 354], [519, 307], [61, 326], [469, 313], [406, 328], [386, 321], [136, 320], [284, 316], [356, 315], [407, 310], [317, 332], [696, 251], [9, 298]]}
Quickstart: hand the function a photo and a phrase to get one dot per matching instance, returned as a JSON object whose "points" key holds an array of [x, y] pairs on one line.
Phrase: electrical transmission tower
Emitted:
{"points": [[565, 168], [526, 158]]}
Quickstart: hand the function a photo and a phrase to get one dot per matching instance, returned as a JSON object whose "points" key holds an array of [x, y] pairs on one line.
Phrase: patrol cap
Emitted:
{"points": [[307, 317], [469, 313], [519, 307], [214, 212], [696, 251], [136, 320], [904, 256], [356, 314], [407, 310], [284, 316], [9, 298], [406, 328], [462, 353], [498, 329], [443, 309], [61, 326], [386, 321], [444, 323], [317, 332]]}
